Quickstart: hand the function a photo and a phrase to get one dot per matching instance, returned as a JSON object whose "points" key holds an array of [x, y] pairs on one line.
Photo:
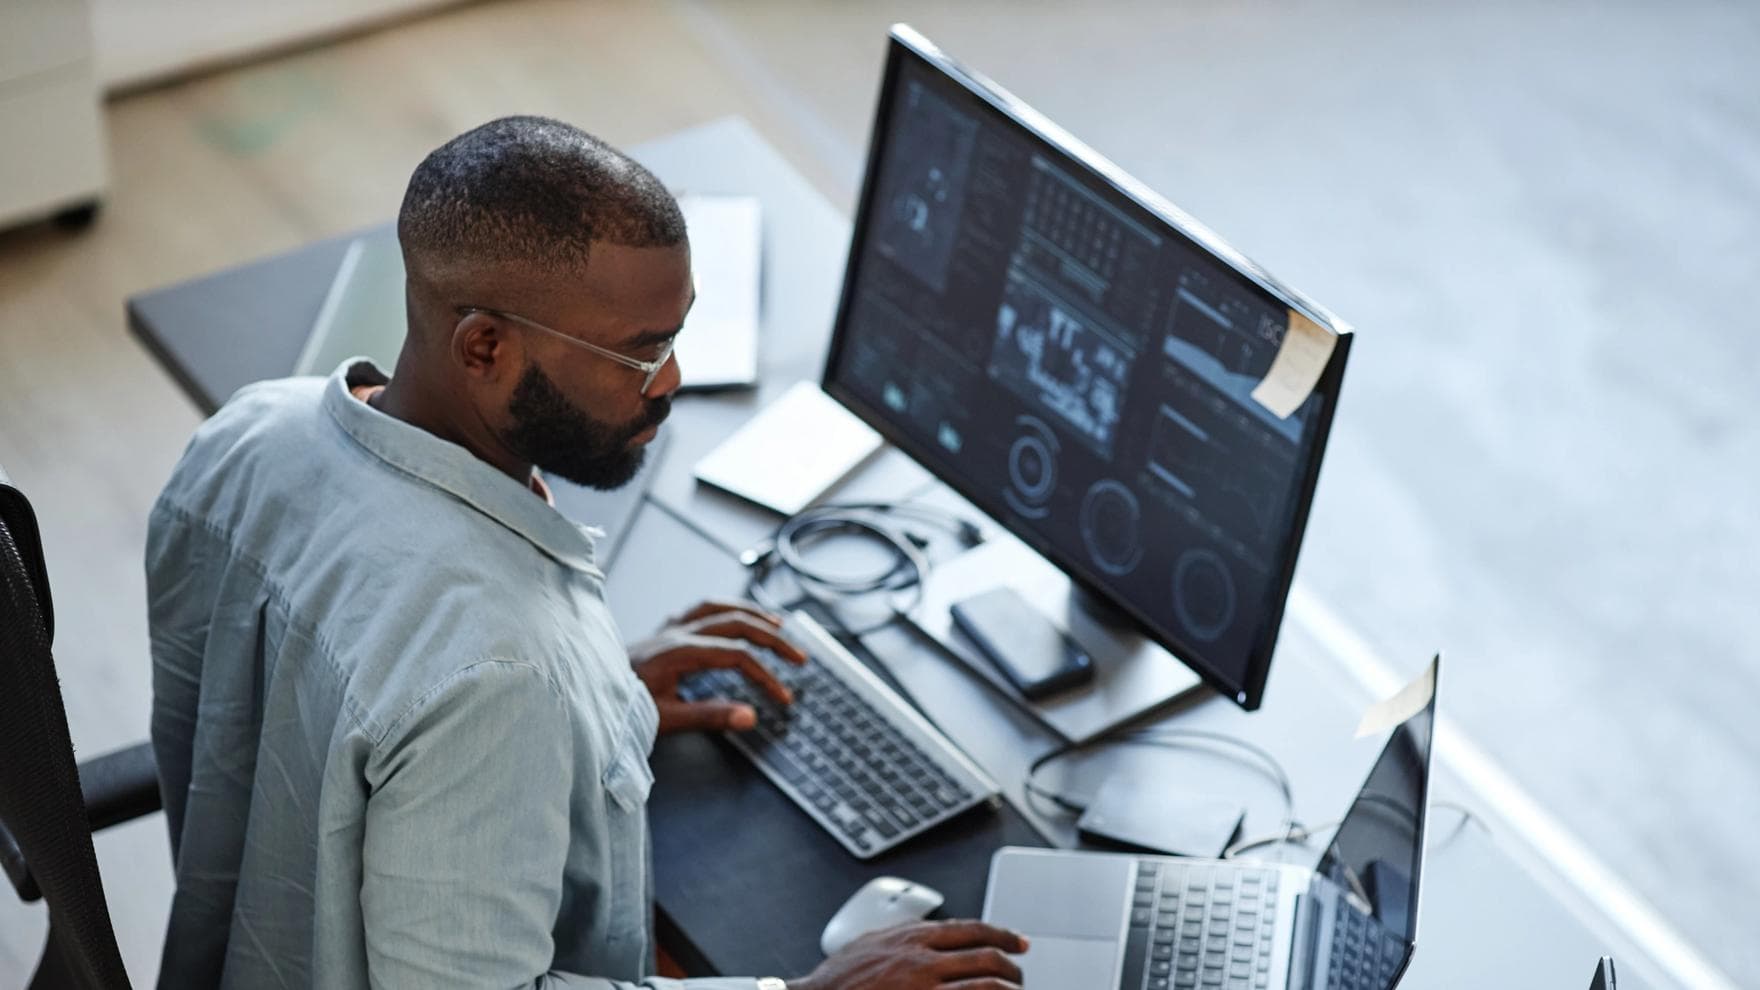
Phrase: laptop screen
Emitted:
{"points": [[1378, 850]]}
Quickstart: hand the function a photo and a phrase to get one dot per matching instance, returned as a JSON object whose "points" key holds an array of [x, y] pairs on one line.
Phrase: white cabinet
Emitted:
{"points": [[51, 127]]}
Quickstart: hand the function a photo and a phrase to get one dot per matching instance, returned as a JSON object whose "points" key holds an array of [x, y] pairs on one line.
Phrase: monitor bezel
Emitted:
{"points": [[905, 43]]}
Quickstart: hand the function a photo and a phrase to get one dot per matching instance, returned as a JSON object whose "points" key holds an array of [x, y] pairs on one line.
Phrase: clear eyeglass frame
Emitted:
{"points": [[650, 369]]}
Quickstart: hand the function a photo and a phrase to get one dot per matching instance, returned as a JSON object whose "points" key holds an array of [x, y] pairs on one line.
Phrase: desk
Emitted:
{"points": [[744, 881]]}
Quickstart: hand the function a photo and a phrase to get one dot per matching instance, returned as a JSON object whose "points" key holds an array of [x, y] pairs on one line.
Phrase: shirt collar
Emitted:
{"points": [[453, 469]]}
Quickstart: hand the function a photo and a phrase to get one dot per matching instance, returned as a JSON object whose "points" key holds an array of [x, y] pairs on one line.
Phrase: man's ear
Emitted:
{"points": [[482, 346]]}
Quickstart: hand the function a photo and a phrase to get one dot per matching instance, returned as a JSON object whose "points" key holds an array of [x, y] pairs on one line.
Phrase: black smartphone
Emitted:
{"points": [[1038, 658]]}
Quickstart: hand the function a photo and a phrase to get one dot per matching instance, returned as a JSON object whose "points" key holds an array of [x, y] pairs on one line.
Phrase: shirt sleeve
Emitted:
{"points": [[467, 833]]}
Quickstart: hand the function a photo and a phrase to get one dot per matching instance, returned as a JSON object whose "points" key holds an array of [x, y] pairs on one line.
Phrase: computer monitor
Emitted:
{"points": [[1076, 357]]}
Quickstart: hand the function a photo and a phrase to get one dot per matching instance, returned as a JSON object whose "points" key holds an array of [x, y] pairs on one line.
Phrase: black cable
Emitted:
{"points": [[908, 570], [1166, 738], [1299, 834]]}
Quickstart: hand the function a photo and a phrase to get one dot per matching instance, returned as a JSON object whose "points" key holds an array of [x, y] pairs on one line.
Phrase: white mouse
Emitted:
{"points": [[883, 902]]}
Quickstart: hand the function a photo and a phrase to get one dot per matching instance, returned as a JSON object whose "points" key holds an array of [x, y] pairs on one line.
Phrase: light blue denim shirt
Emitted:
{"points": [[398, 735]]}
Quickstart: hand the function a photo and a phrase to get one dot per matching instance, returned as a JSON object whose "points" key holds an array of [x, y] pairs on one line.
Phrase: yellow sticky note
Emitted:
{"points": [[1302, 356], [1411, 699]]}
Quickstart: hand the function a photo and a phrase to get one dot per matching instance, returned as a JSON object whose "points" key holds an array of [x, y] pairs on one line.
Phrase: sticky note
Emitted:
{"points": [[1302, 356], [1411, 699]]}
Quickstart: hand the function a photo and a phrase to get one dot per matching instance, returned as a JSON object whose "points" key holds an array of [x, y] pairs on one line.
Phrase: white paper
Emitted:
{"points": [[1411, 699], [1302, 356]]}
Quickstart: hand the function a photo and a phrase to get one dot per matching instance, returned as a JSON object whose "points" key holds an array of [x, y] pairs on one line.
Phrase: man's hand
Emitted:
{"points": [[712, 635], [959, 955]]}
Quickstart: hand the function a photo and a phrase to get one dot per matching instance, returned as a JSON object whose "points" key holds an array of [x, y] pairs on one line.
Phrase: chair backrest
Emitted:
{"points": [[45, 838]]}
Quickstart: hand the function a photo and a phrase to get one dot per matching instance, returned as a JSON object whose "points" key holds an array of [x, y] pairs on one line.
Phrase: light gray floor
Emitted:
{"points": [[1545, 222]]}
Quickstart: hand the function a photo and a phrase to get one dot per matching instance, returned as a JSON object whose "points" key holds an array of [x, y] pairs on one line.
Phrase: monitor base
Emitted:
{"points": [[1133, 675]]}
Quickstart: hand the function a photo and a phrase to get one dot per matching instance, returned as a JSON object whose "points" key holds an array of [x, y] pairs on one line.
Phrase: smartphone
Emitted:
{"points": [[1037, 657]]}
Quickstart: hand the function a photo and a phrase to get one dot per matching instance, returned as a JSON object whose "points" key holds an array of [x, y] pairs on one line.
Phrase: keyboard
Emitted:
{"points": [[1364, 954], [850, 752], [1200, 926]]}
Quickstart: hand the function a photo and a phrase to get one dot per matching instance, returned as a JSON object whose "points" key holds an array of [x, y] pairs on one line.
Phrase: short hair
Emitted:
{"points": [[532, 190]]}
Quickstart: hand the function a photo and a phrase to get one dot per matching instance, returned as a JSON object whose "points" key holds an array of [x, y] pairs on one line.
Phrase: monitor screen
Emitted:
{"points": [[1077, 358]]}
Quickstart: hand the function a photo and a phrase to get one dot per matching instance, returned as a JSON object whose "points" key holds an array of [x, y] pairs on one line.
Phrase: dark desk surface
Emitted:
{"points": [[744, 881]]}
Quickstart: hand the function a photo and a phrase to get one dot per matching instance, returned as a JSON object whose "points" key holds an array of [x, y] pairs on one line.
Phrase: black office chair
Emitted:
{"points": [[49, 806]]}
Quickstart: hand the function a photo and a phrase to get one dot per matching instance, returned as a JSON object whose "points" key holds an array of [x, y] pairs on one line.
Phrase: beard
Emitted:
{"points": [[565, 440]]}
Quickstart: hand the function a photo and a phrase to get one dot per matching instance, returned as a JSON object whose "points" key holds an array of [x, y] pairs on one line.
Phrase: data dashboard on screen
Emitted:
{"points": [[1079, 363]]}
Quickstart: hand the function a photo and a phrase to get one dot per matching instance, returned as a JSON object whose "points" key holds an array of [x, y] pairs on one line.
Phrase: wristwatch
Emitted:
{"points": [[771, 983]]}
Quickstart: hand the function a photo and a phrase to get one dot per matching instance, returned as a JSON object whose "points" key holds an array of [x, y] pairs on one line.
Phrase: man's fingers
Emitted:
{"points": [[950, 935], [694, 653], [738, 625], [716, 606], [705, 716], [962, 964]]}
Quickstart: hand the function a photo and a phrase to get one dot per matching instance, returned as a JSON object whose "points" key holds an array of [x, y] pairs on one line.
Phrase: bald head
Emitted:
{"points": [[528, 194]]}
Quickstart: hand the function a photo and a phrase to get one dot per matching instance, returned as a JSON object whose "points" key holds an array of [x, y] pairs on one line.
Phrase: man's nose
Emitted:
{"points": [[667, 380]]}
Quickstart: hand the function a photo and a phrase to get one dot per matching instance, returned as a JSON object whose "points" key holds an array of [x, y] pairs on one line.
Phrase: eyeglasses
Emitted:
{"points": [[650, 368]]}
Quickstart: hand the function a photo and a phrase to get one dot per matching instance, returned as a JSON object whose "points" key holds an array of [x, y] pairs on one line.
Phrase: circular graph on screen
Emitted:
{"points": [[1203, 593], [1111, 522], [1032, 468]]}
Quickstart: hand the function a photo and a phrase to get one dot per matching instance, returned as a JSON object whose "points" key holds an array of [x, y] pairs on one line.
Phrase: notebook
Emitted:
{"points": [[792, 452], [363, 313], [718, 347]]}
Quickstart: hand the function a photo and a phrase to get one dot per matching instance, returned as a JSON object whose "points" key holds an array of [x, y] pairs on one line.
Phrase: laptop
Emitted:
{"points": [[1104, 920]]}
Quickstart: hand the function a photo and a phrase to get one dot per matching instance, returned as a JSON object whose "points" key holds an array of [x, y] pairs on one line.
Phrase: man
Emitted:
{"points": [[400, 740]]}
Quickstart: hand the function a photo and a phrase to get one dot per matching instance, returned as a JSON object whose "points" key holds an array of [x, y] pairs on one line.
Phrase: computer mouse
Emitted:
{"points": [[883, 902]]}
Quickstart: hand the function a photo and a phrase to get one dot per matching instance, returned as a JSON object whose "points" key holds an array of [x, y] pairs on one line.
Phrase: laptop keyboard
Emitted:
{"points": [[1200, 927], [849, 752], [1363, 954]]}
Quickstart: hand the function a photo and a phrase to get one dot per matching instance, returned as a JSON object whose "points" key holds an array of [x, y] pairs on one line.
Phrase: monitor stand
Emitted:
{"points": [[1132, 675]]}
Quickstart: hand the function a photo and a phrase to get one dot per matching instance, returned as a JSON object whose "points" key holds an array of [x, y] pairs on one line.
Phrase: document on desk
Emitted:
{"points": [[718, 347], [363, 313], [791, 452]]}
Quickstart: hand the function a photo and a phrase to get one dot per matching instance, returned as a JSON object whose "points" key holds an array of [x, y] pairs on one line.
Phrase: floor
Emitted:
{"points": [[1544, 219]]}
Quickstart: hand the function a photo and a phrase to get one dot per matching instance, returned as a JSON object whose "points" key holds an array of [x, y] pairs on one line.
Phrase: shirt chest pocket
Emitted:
{"points": [[627, 887], [627, 778]]}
